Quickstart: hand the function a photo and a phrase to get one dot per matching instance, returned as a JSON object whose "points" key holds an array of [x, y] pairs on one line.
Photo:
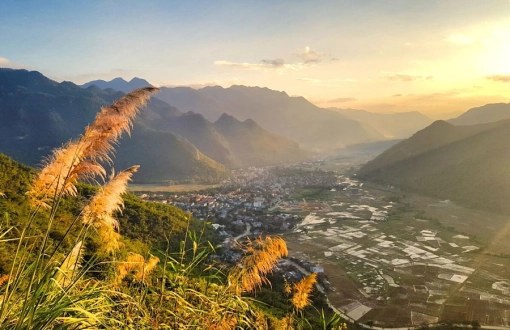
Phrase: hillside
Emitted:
{"points": [[164, 156], [254, 146], [393, 126], [39, 114], [467, 164], [484, 114], [292, 117], [237, 146]]}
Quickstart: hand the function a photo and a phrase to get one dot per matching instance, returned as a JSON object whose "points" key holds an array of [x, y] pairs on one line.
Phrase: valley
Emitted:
{"points": [[396, 260], [389, 258]]}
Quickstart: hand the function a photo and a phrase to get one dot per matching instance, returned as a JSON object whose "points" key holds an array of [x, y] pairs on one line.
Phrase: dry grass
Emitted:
{"points": [[302, 291], [262, 256]]}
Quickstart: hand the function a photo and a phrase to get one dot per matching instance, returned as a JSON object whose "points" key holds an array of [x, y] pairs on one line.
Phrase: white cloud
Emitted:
{"points": [[461, 39], [406, 77], [198, 85], [343, 100], [310, 56], [4, 62], [311, 80], [264, 65]]}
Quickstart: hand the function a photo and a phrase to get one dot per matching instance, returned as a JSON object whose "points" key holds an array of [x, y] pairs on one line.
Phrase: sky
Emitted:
{"points": [[436, 57]]}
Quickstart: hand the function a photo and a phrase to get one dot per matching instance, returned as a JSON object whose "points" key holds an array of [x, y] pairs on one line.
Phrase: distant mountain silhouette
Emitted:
{"points": [[484, 114], [467, 164], [188, 99], [292, 117], [39, 114], [251, 145], [395, 126], [119, 84]]}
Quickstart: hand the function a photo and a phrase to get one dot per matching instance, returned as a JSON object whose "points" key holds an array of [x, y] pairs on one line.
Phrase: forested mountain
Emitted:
{"points": [[467, 164], [484, 114], [145, 222], [39, 114], [252, 145]]}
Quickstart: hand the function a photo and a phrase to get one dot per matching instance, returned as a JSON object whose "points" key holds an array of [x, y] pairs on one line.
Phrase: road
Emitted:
{"points": [[246, 232]]}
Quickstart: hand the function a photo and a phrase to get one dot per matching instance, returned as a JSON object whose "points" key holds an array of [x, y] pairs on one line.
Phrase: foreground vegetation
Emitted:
{"points": [[65, 265]]}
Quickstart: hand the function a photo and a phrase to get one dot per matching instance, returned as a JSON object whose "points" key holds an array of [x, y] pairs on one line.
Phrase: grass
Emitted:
{"points": [[87, 278]]}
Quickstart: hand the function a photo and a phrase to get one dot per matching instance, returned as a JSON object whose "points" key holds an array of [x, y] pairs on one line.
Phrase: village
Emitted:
{"points": [[381, 260]]}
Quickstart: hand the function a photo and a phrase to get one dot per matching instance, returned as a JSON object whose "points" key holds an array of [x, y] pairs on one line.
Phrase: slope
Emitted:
{"points": [[468, 164], [484, 114], [253, 146], [39, 114], [292, 117], [164, 156], [395, 125]]}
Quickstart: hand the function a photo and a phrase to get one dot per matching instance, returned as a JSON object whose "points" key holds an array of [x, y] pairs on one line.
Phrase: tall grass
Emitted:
{"points": [[51, 287]]}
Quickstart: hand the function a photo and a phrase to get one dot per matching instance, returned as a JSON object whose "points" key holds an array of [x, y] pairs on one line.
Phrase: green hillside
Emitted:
{"points": [[253, 146], [466, 164], [39, 114], [164, 156]]}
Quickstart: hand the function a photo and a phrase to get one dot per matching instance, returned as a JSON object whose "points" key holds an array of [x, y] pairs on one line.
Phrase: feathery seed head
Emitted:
{"points": [[302, 291], [263, 254], [79, 159], [99, 212]]}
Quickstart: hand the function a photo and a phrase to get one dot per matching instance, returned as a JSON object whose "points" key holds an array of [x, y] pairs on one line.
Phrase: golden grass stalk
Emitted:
{"points": [[263, 254], [79, 159], [135, 263], [99, 212], [302, 291], [147, 268], [71, 263], [3, 279]]}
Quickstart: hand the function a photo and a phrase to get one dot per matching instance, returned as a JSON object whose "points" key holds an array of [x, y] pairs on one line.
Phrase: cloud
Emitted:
{"points": [[311, 80], [406, 77], [199, 85], [6, 63], [500, 78], [310, 56], [263, 65], [343, 100], [461, 39]]}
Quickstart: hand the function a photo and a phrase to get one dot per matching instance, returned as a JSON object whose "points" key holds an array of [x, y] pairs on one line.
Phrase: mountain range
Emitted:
{"points": [[119, 84], [292, 117], [484, 114], [467, 164], [39, 114], [394, 125]]}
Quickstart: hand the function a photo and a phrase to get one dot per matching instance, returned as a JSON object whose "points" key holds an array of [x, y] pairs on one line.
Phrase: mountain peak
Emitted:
{"points": [[225, 117], [119, 84]]}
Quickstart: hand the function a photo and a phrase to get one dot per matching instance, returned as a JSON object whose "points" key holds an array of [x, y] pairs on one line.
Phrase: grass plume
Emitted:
{"points": [[262, 256], [99, 212], [80, 159], [302, 291]]}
